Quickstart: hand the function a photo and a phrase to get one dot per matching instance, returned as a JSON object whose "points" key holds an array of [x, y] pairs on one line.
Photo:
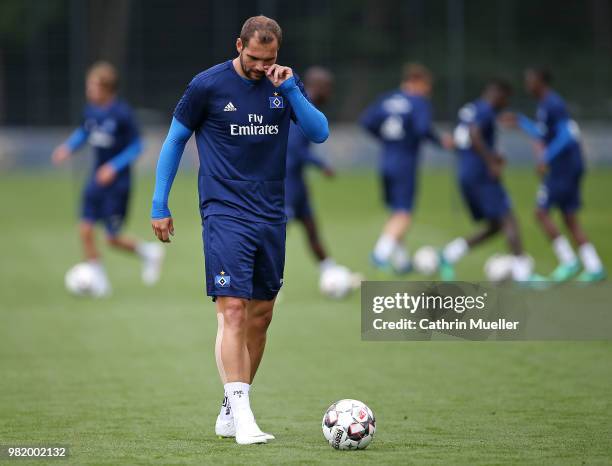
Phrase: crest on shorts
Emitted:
{"points": [[222, 280]]}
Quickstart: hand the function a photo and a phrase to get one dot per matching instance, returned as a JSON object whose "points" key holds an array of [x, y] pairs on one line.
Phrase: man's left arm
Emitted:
{"points": [[563, 137], [311, 121]]}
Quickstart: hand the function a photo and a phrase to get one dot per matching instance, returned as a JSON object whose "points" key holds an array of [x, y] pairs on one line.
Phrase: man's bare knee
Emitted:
{"points": [[260, 315], [234, 312], [86, 229], [540, 215], [112, 241], [262, 321]]}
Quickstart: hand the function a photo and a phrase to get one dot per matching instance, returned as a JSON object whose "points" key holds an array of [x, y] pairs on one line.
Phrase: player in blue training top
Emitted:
{"points": [[240, 112], [109, 126], [401, 121], [479, 175], [318, 83], [561, 166]]}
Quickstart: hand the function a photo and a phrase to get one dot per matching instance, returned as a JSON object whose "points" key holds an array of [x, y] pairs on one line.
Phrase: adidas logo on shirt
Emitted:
{"points": [[230, 107]]}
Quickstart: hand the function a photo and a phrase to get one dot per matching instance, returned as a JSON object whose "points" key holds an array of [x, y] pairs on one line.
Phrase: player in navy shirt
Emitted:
{"points": [[240, 112], [561, 166], [479, 174], [109, 126], [319, 85], [401, 121]]}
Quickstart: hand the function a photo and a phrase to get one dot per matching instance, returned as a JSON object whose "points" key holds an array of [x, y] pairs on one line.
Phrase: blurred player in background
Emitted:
{"points": [[479, 175], [401, 121], [561, 166], [240, 111], [318, 83], [109, 126]]}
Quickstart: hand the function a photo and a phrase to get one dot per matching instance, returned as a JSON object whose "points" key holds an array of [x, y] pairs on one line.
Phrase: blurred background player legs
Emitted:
{"points": [[389, 248], [459, 247], [569, 266], [108, 125]]}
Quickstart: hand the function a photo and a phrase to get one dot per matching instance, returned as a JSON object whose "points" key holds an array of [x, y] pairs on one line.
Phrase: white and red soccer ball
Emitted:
{"points": [[349, 425]]}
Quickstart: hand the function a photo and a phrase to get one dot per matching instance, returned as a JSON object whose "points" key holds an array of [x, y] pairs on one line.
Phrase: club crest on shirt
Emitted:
{"points": [[222, 280], [276, 101]]}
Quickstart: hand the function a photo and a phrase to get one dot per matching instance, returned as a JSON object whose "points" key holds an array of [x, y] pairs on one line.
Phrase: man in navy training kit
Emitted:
{"points": [[479, 175], [561, 167], [109, 126], [240, 112], [318, 83], [401, 121]]}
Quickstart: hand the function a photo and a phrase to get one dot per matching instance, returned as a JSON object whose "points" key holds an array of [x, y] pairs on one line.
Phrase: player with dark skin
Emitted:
{"points": [[495, 163], [319, 86], [537, 88], [480, 170], [560, 165]]}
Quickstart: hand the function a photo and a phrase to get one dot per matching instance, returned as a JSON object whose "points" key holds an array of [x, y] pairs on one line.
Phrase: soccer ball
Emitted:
{"points": [[426, 260], [348, 425], [498, 268], [337, 282], [84, 280]]}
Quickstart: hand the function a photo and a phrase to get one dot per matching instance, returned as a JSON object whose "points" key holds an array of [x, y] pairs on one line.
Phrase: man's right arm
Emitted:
{"points": [[167, 166]]}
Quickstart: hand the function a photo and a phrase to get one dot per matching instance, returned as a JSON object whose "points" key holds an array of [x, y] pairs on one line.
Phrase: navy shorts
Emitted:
{"points": [[486, 199], [297, 204], [244, 259], [562, 193], [106, 204], [399, 190]]}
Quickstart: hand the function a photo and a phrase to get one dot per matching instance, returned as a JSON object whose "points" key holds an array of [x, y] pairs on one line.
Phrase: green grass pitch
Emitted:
{"points": [[132, 379]]}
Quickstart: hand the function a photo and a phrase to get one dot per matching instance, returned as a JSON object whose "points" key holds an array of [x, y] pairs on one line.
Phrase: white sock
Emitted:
{"points": [[226, 409], [384, 247], [400, 257], [455, 250], [326, 264], [590, 259], [563, 250], [521, 268], [238, 395]]}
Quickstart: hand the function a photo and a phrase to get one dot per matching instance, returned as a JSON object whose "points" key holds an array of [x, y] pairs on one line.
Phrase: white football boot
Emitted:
{"points": [[225, 429], [249, 433]]}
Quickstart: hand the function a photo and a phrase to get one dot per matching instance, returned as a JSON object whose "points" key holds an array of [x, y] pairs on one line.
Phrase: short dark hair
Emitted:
{"points": [[542, 72], [416, 72], [500, 85], [268, 30]]}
